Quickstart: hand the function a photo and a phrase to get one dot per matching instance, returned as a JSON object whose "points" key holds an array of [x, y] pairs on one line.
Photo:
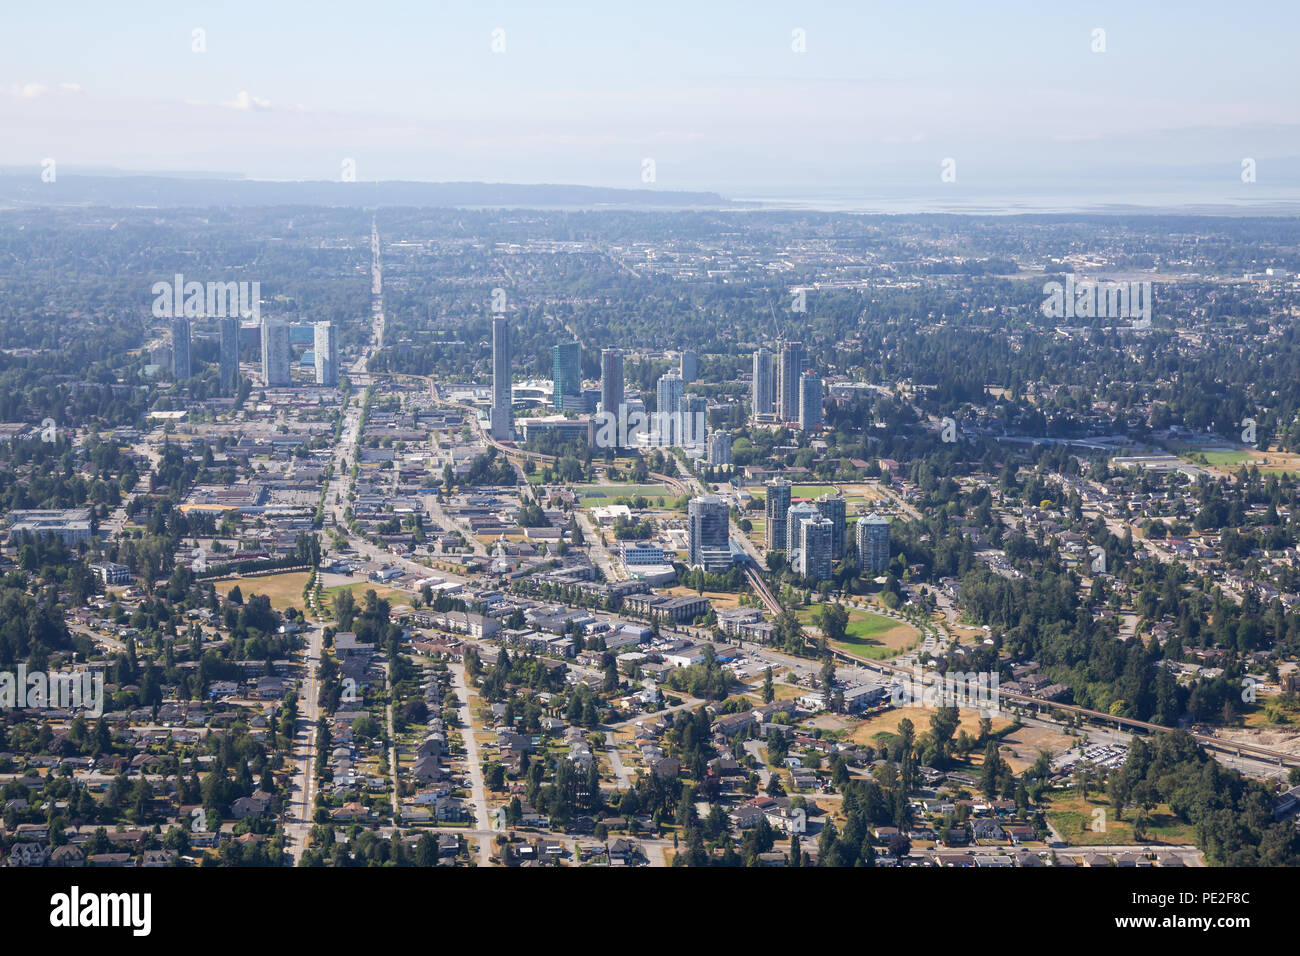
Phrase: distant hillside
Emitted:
{"points": [[24, 187]]}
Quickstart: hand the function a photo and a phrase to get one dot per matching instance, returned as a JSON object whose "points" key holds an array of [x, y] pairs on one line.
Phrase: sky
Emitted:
{"points": [[743, 98]]}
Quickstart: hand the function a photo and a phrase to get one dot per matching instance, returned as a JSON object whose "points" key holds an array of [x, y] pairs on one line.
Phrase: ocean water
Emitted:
{"points": [[1242, 199]]}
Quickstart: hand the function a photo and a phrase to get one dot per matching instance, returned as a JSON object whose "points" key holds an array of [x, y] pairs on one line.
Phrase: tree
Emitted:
{"points": [[943, 724], [769, 691], [833, 621], [345, 608], [1115, 794], [992, 770], [1140, 825], [426, 851]]}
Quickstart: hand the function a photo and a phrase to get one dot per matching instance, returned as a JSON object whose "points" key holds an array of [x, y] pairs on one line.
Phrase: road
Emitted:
{"points": [[112, 643], [392, 733], [691, 704], [440, 515], [303, 783], [616, 765], [599, 553], [477, 789], [146, 448]]}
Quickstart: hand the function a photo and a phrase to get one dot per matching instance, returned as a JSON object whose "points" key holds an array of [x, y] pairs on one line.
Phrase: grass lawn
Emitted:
{"points": [[1218, 459], [780, 691], [1267, 461], [810, 491], [284, 590], [870, 636], [600, 495], [1073, 818], [359, 589]]}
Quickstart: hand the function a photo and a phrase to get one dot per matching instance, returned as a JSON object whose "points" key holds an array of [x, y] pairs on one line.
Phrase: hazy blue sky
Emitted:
{"points": [[712, 91]]}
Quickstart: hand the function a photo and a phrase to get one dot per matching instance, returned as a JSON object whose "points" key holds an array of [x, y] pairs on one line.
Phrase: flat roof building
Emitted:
{"points": [[71, 525]]}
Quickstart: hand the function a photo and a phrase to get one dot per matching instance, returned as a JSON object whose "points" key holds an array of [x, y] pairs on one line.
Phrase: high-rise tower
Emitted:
{"points": [[611, 380], [326, 345], [275, 353], [229, 354], [762, 394], [181, 367], [810, 400], [567, 375], [789, 366], [776, 505], [502, 424]]}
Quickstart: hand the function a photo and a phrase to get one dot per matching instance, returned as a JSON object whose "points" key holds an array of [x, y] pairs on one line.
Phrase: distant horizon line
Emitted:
{"points": [[1011, 196]]}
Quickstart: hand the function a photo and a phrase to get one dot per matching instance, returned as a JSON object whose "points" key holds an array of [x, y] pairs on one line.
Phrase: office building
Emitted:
{"points": [[762, 394], [641, 552], [834, 509], [229, 355], [813, 557], [873, 543], [708, 533], [181, 366], [810, 401], [501, 422], [326, 353], [688, 366], [774, 511], [566, 375], [789, 366], [275, 353]]}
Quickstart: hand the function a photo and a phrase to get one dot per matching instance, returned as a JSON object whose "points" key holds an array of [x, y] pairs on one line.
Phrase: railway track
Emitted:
{"points": [[1281, 758]]}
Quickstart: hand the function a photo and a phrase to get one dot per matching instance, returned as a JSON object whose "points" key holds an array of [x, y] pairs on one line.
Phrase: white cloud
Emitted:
{"points": [[34, 90], [244, 101]]}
